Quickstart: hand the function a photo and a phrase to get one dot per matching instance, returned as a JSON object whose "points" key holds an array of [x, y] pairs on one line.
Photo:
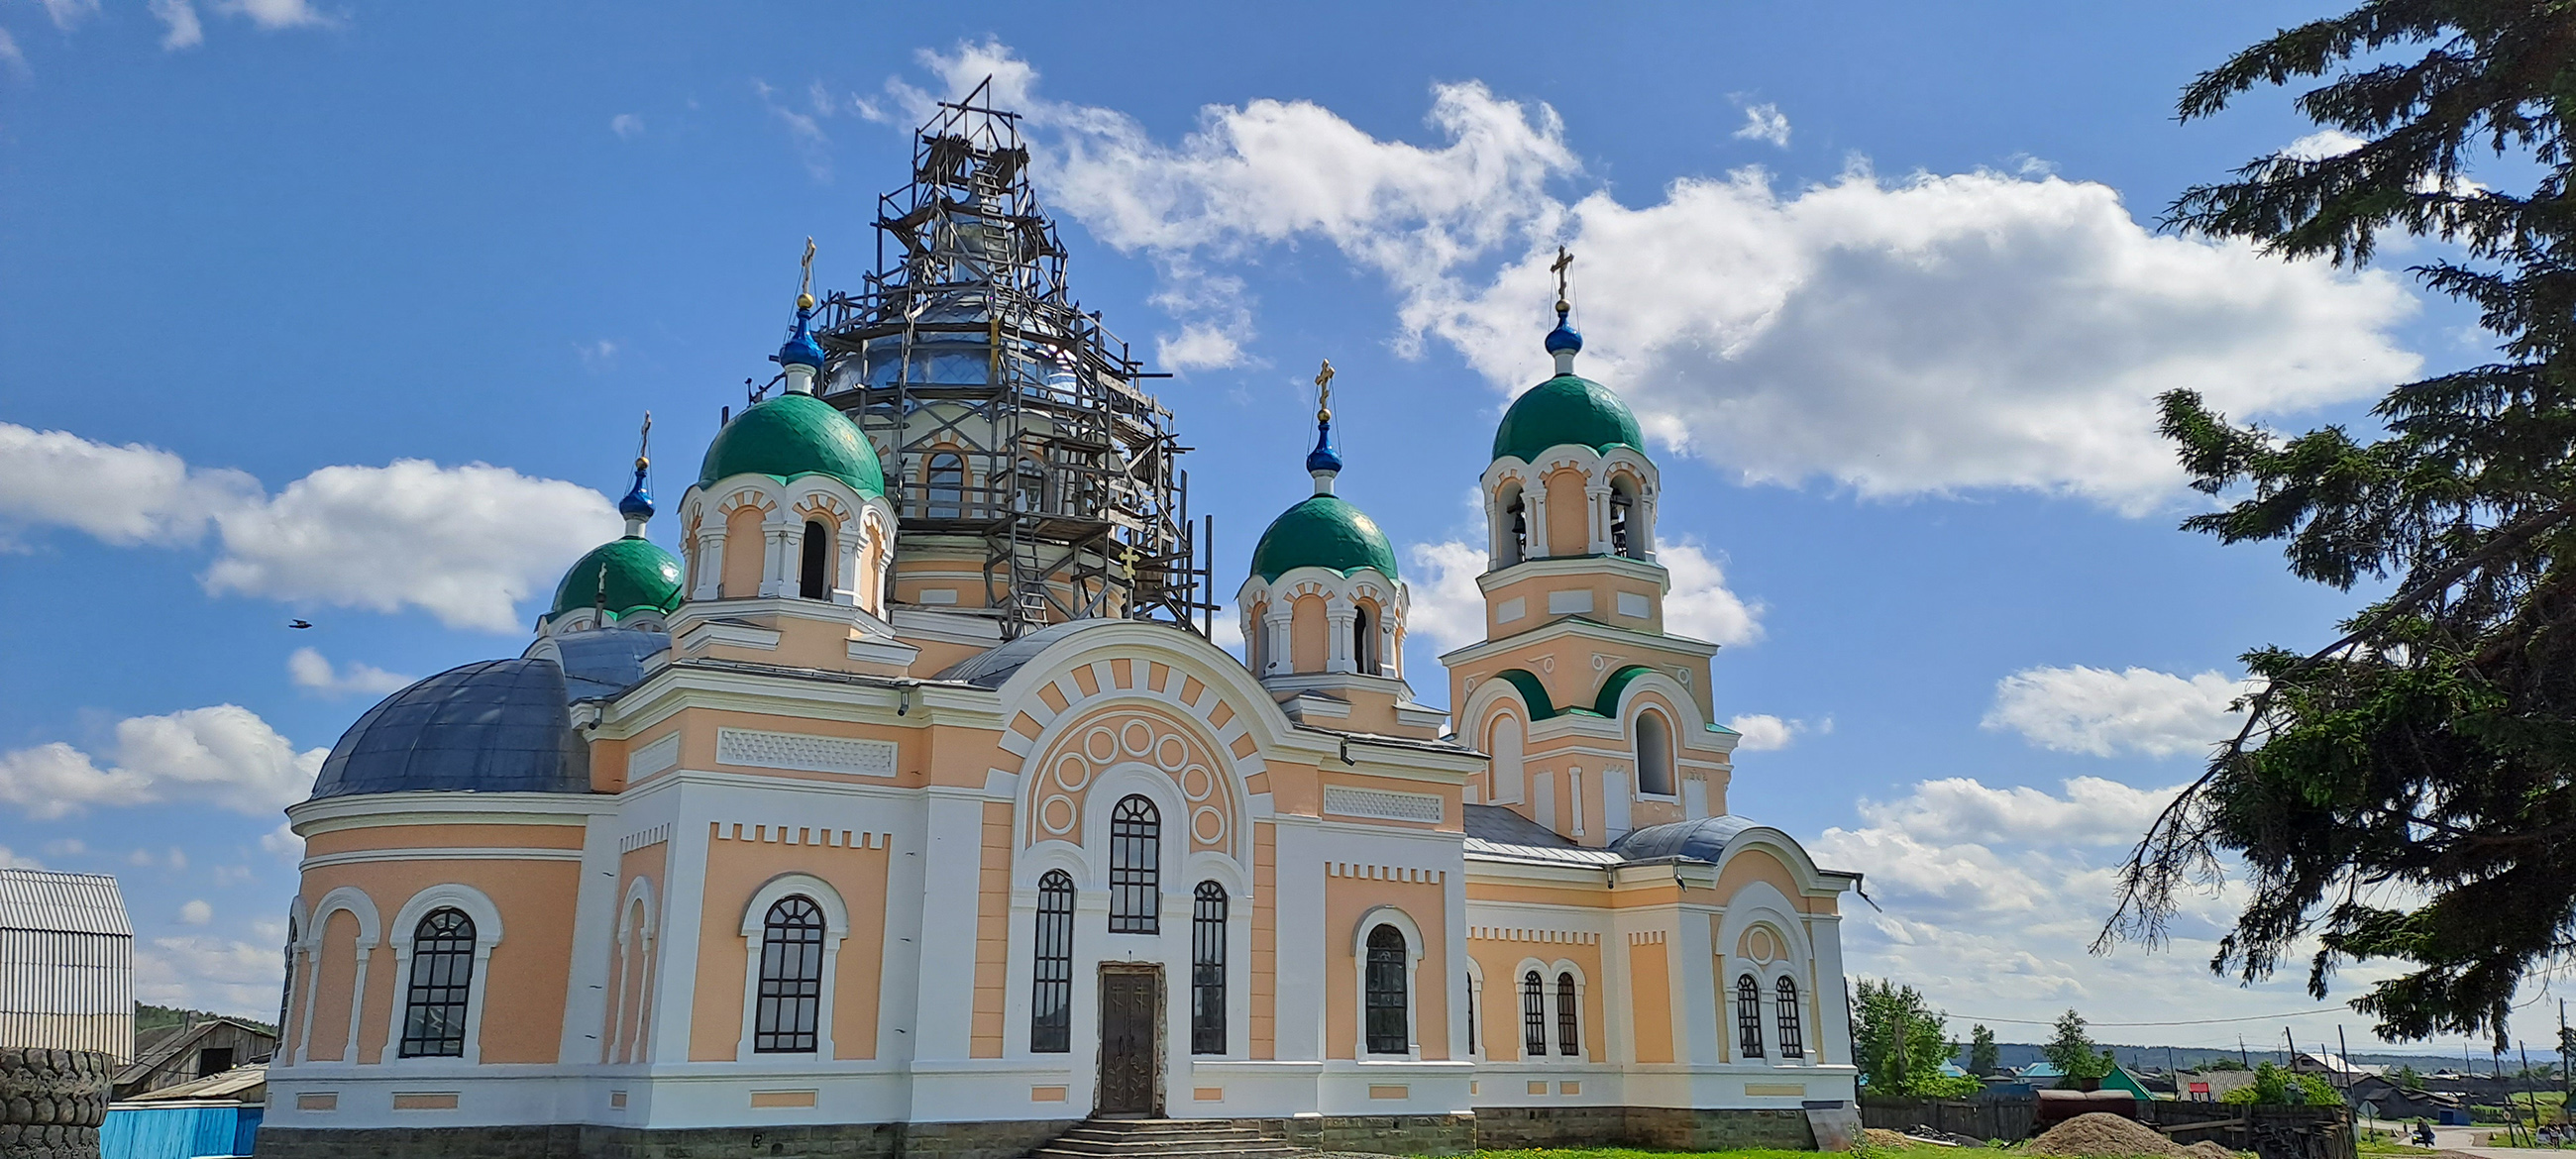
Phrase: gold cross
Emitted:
{"points": [[1564, 258], [805, 283], [1324, 392]]}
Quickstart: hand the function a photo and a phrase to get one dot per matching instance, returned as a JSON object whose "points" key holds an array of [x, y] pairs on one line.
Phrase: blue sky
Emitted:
{"points": [[346, 312]]}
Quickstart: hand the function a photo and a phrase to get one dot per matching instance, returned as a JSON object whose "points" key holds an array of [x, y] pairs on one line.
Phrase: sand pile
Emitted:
{"points": [[2099, 1135], [2209, 1150], [1882, 1137]]}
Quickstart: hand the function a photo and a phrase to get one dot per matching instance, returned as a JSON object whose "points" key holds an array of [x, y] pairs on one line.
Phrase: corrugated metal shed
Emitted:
{"points": [[66, 963]]}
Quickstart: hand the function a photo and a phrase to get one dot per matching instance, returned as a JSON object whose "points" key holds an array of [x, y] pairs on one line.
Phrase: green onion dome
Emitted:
{"points": [[793, 435], [641, 578], [1324, 532], [1562, 411]]}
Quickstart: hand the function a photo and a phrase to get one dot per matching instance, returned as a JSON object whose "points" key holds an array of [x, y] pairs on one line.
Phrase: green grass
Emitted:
{"points": [[1753, 1153]]}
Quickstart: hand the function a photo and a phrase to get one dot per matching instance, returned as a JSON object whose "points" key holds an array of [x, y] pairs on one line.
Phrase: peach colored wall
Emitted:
{"points": [[736, 869], [524, 982], [1265, 940], [992, 933], [1754, 865], [1500, 1003], [1650, 1001], [1346, 899], [339, 970], [1058, 797], [698, 743], [1308, 644], [1569, 516], [745, 544], [628, 1026]]}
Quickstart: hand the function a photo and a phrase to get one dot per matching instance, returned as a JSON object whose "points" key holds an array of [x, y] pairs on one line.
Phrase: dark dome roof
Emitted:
{"points": [[1701, 840], [494, 726]]}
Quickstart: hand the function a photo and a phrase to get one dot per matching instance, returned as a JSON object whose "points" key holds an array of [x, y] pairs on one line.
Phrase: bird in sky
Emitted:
{"points": [[299, 623]]}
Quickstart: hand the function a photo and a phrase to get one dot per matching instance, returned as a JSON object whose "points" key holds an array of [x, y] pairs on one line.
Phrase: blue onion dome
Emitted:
{"points": [[624, 576], [794, 435], [1323, 531], [1325, 457], [494, 726], [1563, 339], [801, 349], [637, 506]]}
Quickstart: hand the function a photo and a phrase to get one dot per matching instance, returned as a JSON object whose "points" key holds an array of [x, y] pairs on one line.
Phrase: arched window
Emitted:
{"points": [[1516, 530], [1569, 1037], [442, 979], [1792, 1044], [1051, 997], [791, 978], [1363, 657], [1505, 745], [1471, 1016], [1387, 1029], [1533, 1014], [1028, 495], [813, 580], [947, 478], [1623, 512], [1135, 867], [1207, 970], [1654, 755], [286, 992], [1748, 1017]]}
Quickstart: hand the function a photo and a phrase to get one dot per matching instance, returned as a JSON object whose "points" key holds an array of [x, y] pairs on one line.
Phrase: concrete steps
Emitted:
{"points": [[1163, 1139]]}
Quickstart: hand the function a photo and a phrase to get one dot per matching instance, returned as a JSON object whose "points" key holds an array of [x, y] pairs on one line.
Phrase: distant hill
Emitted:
{"points": [[2020, 1054], [150, 1017]]}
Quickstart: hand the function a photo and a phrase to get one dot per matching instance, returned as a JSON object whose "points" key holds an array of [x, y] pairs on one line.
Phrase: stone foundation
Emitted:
{"points": [[1660, 1128], [1377, 1134], [1003, 1140]]}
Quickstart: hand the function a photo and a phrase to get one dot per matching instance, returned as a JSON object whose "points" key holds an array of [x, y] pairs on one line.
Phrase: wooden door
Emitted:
{"points": [[1130, 1009]]}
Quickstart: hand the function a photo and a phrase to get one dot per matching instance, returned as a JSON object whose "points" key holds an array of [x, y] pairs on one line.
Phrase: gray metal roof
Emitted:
{"points": [[1700, 840], [67, 903], [1498, 833], [993, 667], [494, 726], [606, 661]]}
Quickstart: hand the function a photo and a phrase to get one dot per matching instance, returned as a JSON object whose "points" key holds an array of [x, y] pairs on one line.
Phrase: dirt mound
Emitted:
{"points": [[2209, 1150], [1882, 1137], [2099, 1135]]}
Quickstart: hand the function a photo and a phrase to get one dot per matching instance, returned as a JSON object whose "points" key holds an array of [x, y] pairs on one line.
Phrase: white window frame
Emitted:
{"points": [[755, 921], [1416, 950], [474, 904]]}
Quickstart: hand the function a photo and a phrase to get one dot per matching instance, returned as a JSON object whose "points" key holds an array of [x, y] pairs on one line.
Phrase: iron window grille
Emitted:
{"points": [[1387, 1032], [1748, 1016], [1207, 970], [442, 979], [1792, 1043], [1135, 867], [791, 978], [1051, 999], [1569, 1040], [1534, 1014], [1471, 1016]]}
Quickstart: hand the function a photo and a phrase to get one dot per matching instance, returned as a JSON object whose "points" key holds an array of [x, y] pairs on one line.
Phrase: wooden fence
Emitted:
{"points": [[2270, 1132]]}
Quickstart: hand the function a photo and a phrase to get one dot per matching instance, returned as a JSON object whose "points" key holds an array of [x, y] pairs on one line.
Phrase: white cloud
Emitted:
{"points": [[1765, 122], [1926, 335], [627, 126], [283, 842], [122, 495], [1763, 732], [1198, 347], [313, 671], [196, 913], [225, 975], [1699, 605], [10, 859], [275, 14], [10, 54], [1448, 608], [2093, 811], [2323, 143], [179, 18], [2101, 712], [224, 755], [67, 14], [462, 543]]}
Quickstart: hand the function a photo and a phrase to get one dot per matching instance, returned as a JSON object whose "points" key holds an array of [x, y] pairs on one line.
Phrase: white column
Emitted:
{"points": [[594, 928], [1534, 510], [1641, 524], [1276, 660], [1390, 656], [1695, 1007], [1301, 940], [711, 549], [1498, 530], [1831, 1043], [1339, 616], [675, 968], [777, 539], [1596, 504], [955, 841]]}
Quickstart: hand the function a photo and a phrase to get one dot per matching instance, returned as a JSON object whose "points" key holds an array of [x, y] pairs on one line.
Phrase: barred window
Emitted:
{"points": [[1387, 1029], [442, 978], [1051, 1002], [1533, 1014], [1748, 1016], [1792, 1044], [791, 978], [1207, 970], [1471, 1016], [1569, 1039], [1135, 867]]}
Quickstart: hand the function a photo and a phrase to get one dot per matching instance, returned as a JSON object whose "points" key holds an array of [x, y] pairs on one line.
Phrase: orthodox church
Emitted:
{"points": [[890, 816]]}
